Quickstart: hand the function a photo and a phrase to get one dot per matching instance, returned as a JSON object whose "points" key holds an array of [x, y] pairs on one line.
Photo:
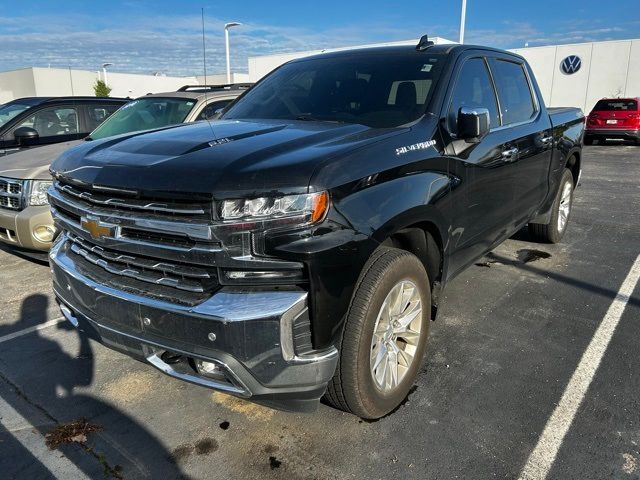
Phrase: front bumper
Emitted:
{"points": [[613, 133], [248, 334], [16, 227]]}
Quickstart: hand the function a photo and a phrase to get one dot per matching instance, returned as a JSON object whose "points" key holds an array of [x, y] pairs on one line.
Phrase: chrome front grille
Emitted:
{"points": [[143, 269], [127, 201], [11, 194], [157, 248]]}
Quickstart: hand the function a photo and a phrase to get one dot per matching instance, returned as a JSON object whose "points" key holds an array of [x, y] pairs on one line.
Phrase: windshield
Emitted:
{"points": [[10, 110], [616, 106], [144, 114], [378, 89]]}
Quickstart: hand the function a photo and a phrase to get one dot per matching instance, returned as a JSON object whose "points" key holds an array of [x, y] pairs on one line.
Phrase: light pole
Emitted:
{"points": [[463, 16], [227, 26], [104, 72]]}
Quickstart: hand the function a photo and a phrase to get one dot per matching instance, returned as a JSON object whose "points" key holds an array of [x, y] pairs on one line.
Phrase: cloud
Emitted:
{"points": [[172, 44]]}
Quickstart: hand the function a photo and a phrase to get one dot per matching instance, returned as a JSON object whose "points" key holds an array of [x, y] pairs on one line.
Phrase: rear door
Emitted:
{"points": [[527, 129], [95, 114]]}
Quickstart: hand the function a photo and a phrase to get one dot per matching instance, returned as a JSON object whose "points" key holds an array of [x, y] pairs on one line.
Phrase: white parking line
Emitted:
{"points": [[34, 442], [35, 328], [541, 459]]}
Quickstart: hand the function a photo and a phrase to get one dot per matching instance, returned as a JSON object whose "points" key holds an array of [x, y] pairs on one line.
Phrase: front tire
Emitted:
{"points": [[385, 335], [562, 205]]}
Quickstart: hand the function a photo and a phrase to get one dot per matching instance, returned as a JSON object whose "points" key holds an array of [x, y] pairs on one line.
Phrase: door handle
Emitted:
{"points": [[546, 140], [510, 155]]}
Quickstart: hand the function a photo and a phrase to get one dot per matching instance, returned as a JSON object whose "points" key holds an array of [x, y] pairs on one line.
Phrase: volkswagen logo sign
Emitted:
{"points": [[571, 64]]}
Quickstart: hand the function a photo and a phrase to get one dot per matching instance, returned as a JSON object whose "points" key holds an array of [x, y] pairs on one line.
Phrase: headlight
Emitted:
{"points": [[38, 192], [300, 209]]}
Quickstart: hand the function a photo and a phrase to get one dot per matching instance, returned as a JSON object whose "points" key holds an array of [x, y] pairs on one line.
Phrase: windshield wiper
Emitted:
{"points": [[310, 118]]}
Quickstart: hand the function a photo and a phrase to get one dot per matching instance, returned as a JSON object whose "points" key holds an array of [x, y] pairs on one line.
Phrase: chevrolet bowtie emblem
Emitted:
{"points": [[97, 229]]}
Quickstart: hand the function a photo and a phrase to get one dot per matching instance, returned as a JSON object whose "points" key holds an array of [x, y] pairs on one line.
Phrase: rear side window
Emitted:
{"points": [[210, 110], [616, 106], [473, 89], [514, 92], [98, 114]]}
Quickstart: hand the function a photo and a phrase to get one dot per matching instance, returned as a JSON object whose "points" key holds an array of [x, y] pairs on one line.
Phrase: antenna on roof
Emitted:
{"points": [[424, 43], [204, 65], [71, 81]]}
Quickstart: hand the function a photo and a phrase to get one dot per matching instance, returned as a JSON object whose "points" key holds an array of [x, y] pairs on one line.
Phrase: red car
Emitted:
{"points": [[614, 118]]}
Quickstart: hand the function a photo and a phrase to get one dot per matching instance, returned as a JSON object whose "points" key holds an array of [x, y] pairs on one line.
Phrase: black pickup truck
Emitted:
{"points": [[299, 246]]}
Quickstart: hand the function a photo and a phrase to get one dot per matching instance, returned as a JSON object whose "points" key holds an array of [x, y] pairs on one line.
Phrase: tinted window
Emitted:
{"points": [[11, 110], [210, 110], [98, 114], [144, 114], [616, 105], [379, 90], [53, 121], [473, 89], [514, 92]]}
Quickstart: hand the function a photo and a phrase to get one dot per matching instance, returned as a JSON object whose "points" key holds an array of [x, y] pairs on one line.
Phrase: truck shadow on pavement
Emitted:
{"points": [[40, 381]]}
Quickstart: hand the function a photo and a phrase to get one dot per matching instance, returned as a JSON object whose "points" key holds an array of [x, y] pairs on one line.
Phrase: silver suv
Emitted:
{"points": [[25, 220]]}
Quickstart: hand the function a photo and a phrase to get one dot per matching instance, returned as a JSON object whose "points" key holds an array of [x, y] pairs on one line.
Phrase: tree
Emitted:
{"points": [[101, 89]]}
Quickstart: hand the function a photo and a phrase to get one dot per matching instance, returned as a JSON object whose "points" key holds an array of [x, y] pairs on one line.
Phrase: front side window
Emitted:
{"points": [[514, 92], [98, 114], [474, 90], [11, 110], [380, 90], [144, 114], [53, 121]]}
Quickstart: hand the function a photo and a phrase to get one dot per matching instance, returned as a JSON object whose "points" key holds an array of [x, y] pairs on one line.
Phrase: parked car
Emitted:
{"points": [[300, 246], [25, 219], [35, 121], [616, 118]]}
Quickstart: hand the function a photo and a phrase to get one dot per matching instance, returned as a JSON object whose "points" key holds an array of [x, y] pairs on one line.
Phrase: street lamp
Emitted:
{"points": [[104, 71], [463, 16], [227, 26]]}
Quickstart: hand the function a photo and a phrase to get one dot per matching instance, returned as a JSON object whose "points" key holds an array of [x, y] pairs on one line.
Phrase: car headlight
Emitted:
{"points": [[298, 209], [38, 192]]}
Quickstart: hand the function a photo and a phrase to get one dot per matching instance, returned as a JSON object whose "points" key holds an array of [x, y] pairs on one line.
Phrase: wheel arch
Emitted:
{"points": [[425, 240]]}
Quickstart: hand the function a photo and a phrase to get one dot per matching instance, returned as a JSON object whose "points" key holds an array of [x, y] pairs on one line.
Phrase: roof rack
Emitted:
{"points": [[424, 43], [208, 88]]}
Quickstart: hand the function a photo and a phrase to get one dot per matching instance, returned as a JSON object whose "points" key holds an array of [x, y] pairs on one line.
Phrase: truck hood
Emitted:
{"points": [[33, 163], [224, 158]]}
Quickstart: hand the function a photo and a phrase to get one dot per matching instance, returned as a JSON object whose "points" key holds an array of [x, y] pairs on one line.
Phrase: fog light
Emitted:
{"points": [[44, 233], [209, 369]]}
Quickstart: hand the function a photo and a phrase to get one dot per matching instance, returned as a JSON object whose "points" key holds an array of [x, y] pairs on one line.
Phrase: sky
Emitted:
{"points": [[166, 36]]}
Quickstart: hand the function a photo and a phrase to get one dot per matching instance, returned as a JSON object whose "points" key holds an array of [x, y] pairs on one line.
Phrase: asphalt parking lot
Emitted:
{"points": [[511, 333]]}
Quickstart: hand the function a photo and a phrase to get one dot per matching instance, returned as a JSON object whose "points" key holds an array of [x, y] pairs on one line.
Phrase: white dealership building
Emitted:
{"points": [[575, 75]]}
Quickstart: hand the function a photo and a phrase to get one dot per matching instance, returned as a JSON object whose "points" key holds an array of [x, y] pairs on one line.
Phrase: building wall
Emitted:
{"points": [[16, 84], [221, 78], [609, 69], [30, 82]]}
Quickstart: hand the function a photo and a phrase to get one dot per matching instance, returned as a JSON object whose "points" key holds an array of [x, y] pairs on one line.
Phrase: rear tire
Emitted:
{"points": [[380, 356], [561, 212]]}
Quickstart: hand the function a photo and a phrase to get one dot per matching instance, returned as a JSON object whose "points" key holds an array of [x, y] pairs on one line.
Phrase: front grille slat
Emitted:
{"points": [[152, 264], [180, 277], [11, 193], [135, 204]]}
